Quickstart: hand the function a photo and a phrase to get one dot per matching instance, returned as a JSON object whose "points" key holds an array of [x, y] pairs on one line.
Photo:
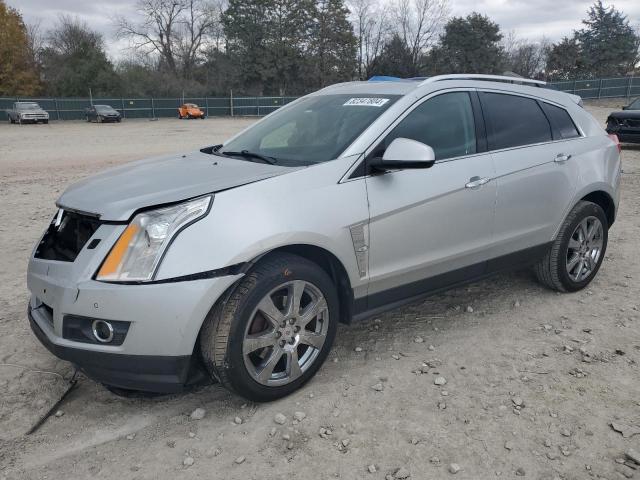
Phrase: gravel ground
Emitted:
{"points": [[526, 382]]}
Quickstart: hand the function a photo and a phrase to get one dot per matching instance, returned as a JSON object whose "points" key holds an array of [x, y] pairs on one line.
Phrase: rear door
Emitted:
{"points": [[536, 168], [431, 227]]}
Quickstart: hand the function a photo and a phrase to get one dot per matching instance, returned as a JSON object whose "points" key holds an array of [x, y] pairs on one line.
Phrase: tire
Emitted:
{"points": [[555, 270], [46, 122], [230, 360]]}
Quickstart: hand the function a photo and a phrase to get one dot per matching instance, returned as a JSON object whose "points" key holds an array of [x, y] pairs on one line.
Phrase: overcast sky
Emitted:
{"points": [[530, 19]]}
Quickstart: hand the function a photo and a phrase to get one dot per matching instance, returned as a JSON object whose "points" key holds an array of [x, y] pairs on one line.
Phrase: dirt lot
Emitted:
{"points": [[519, 346]]}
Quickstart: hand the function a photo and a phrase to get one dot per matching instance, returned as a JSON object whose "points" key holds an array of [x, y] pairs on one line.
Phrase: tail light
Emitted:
{"points": [[615, 139]]}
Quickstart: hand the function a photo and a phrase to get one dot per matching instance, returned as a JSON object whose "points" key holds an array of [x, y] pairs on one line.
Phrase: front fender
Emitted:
{"points": [[304, 207]]}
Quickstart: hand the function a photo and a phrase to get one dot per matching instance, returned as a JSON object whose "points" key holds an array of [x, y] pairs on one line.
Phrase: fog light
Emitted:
{"points": [[102, 330]]}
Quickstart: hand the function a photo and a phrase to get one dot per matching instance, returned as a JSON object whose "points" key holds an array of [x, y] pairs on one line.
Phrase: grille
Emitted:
{"points": [[65, 239], [632, 122]]}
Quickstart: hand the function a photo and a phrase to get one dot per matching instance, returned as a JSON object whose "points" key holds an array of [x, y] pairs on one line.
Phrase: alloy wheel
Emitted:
{"points": [[285, 333], [584, 249]]}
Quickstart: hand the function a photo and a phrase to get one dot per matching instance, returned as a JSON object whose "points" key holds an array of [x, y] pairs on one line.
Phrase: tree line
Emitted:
{"points": [[290, 47]]}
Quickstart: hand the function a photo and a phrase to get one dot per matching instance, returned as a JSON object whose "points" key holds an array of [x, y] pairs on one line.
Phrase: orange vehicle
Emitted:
{"points": [[190, 110]]}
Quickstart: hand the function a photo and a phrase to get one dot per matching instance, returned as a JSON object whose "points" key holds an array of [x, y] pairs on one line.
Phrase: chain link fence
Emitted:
{"points": [[74, 108]]}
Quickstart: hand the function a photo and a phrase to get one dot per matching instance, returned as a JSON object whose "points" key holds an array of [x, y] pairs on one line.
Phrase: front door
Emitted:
{"points": [[430, 228]]}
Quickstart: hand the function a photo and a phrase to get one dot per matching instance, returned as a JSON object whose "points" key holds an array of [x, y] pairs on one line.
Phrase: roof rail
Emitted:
{"points": [[479, 76]]}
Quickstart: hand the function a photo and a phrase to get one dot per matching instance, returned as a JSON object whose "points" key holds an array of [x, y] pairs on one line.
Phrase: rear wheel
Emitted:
{"points": [[274, 329], [578, 251]]}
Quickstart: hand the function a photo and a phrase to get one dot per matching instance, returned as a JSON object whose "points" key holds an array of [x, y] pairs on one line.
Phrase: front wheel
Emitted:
{"points": [[577, 252], [274, 330]]}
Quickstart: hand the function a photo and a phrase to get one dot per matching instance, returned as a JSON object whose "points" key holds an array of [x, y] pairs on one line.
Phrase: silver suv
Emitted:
{"points": [[237, 262]]}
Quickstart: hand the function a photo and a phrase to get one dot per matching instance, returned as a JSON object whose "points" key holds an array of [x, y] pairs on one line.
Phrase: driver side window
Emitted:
{"points": [[445, 123]]}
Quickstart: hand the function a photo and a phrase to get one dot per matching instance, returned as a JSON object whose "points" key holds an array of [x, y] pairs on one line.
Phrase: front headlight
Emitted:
{"points": [[137, 253]]}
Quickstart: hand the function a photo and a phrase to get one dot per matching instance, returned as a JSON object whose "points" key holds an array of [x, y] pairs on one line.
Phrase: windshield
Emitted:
{"points": [[28, 106], [314, 129], [104, 108]]}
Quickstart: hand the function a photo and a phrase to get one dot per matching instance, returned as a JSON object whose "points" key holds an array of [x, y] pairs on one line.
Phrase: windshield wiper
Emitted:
{"points": [[248, 154]]}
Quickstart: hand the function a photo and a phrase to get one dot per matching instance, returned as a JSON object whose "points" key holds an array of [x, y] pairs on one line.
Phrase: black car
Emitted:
{"points": [[102, 113], [626, 124]]}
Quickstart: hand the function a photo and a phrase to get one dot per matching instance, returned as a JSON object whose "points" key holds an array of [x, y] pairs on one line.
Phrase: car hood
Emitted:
{"points": [[625, 114], [115, 194]]}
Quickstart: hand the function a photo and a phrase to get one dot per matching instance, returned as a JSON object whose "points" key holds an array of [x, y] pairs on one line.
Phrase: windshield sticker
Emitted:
{"points": [[366, 102]]}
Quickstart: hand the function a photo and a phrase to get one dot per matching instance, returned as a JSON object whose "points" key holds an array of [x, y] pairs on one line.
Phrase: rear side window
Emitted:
{"points": [[445, 123], [561, 121], [514, 121]]}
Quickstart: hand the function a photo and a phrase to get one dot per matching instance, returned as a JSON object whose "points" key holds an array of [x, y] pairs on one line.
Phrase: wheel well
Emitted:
{"points": [[606, 203], [333, 267]]}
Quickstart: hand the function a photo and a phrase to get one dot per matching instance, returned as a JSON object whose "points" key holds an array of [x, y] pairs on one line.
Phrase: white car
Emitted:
{"points": [[237, 262], [25, 112]]}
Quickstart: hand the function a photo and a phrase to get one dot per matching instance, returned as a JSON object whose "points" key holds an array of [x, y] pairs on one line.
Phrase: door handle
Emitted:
{"points": [[475, 182], [561, 158]]}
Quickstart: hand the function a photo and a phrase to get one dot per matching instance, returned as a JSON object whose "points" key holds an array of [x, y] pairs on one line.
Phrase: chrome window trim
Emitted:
{"points": [[346, 177], [539, 99], [392, 125]]}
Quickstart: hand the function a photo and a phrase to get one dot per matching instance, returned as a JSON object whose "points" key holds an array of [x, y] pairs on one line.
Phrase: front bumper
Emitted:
{"points": [[164, 322], [33, 118], [151, 373]]}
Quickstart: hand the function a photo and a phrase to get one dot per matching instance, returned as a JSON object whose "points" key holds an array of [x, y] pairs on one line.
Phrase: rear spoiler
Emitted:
{"points": [[576, 98]]}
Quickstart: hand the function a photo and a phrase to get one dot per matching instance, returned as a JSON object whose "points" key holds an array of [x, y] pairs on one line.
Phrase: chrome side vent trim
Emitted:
{"points": [[360, 248]]}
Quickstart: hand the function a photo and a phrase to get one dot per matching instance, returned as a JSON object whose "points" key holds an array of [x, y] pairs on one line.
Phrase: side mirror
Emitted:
{"points": [[625, 107], [404, 153]]}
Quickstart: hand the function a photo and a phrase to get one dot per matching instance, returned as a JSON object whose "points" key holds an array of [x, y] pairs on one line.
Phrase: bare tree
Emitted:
{"points": [[524, 57], [418, 23], [175, 30], [371, 27], [35, 39]]}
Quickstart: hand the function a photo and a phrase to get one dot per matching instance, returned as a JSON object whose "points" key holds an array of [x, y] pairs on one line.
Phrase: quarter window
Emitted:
{"points": [[514, 121], [445, 123], [561, 121]]}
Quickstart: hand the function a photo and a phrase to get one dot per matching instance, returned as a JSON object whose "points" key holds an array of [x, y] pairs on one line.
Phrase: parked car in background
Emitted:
{"points": [[102, 113], [190, 110], [239, 260], [635, 105], [626, 123], [27, 112]]}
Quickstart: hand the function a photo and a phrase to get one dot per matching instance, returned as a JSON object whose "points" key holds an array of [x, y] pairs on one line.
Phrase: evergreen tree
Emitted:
{"points": [[468, 45], [18, 72], [609, 46], [395, 59], [333, 44], [267, 40], [564, 60]]}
